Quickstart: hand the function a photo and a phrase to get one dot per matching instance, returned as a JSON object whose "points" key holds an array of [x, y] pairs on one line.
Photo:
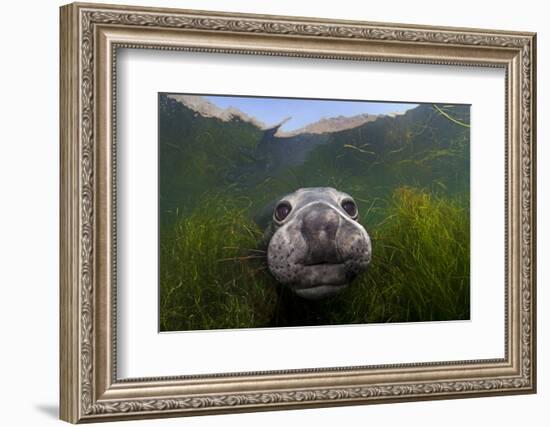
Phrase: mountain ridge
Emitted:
{"points": [[324, 125]]}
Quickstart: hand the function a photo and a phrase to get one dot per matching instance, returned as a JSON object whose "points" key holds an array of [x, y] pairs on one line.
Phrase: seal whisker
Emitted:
{"points": [[245, 249], [241, 258]]}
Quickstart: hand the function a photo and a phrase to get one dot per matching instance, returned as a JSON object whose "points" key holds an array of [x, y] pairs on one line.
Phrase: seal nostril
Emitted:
{"points": [[319, 229]]}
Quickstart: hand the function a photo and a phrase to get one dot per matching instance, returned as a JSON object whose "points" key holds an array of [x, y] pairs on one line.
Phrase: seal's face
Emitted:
{"points": [[317, 246]]}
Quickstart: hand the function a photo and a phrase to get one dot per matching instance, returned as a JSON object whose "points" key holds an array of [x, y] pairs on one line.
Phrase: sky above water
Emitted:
{"points": [[303, 111]]}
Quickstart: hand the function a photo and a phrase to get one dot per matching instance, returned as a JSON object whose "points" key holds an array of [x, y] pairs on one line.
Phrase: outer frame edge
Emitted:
{"points": [[69, 353], [69, 233]]}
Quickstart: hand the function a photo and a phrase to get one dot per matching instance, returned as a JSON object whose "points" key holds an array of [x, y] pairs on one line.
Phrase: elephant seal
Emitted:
{"points": [[316, 246]]}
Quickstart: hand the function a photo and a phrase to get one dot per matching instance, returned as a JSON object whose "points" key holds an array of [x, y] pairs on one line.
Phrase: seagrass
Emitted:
{"points": [[89, 39]]}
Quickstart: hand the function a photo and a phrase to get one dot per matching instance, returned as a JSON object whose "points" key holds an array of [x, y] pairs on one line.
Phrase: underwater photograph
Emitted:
{"points": [[278, 212]]}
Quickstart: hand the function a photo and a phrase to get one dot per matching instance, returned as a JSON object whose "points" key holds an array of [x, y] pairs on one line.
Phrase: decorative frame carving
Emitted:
{"points": [[90, 36]]}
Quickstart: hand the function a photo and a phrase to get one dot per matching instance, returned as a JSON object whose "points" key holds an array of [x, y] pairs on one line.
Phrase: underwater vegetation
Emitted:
{"points": [[213, 277], [408, 174]]}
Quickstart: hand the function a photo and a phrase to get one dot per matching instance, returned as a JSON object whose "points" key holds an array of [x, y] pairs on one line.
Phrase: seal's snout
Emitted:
{"points": [[317, 246], [319, 227]]}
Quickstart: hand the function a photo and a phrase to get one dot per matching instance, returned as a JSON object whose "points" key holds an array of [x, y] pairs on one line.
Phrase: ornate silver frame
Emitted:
{"points": [[90, 35]]}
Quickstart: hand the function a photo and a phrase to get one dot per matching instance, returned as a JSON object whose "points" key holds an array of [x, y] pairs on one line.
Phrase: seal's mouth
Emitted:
{"points": [[314, 264], [322, 279]]}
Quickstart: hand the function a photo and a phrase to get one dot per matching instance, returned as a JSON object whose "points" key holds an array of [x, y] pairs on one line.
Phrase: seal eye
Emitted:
{"points": [[282, 210], [350, 207]]}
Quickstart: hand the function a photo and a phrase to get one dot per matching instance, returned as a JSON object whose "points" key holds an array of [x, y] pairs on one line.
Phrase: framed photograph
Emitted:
{"points": [[266, 212]]}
